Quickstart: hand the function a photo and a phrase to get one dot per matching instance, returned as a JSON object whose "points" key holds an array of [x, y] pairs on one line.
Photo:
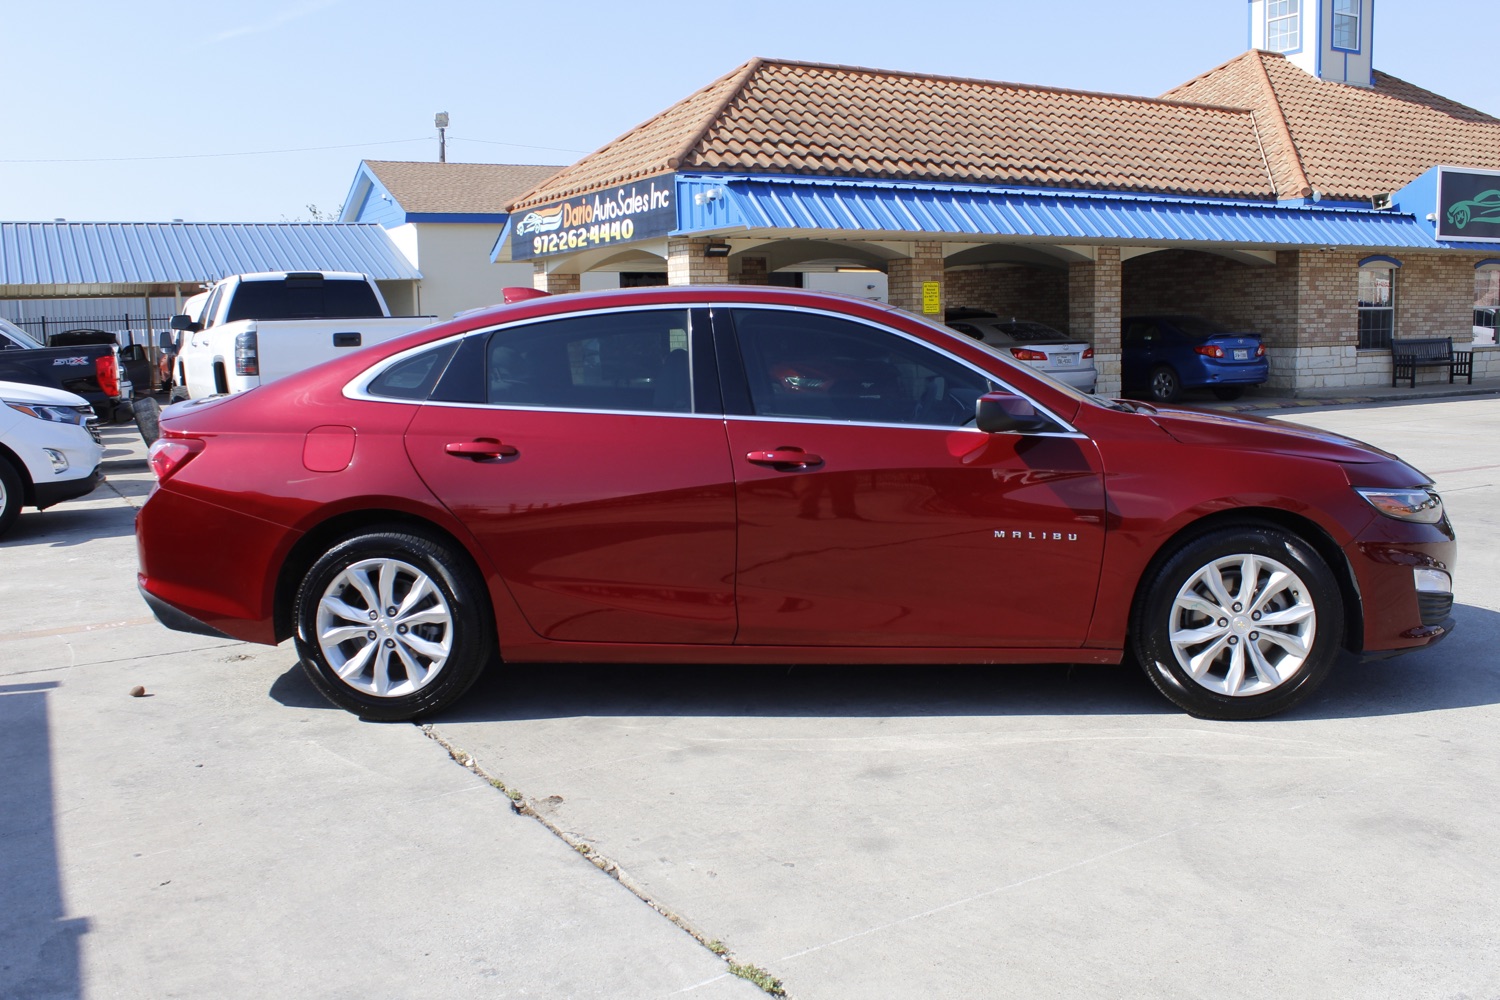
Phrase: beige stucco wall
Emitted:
{"points": [[454, 259]]}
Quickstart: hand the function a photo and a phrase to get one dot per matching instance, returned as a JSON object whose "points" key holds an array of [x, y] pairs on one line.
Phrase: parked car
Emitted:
{"points": [[1163, 355], [732, 475], [49, 449], [1037, 344], [88, 370], [1485, 321], [253, 328], [135, 366]]}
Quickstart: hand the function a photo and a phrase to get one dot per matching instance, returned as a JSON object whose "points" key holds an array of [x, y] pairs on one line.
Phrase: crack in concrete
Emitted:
{"points": [[522, 806]]}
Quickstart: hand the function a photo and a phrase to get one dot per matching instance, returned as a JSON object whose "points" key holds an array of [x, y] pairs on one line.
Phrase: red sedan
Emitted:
{"points": [[760, 475]]}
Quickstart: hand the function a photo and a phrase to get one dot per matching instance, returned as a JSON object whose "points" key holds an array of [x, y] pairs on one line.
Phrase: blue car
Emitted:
{"points": [[1163, 355]]}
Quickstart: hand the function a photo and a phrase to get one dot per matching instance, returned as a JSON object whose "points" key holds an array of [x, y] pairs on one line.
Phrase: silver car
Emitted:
{"points": [[1037, 344]]}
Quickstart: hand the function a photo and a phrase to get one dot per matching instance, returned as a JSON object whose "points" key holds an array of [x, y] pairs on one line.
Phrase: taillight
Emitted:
{"points": [[1260, 350], [108, 373], [246, 354], [1088, 352], [167, 455], [1026, 354], [1210, 350]]}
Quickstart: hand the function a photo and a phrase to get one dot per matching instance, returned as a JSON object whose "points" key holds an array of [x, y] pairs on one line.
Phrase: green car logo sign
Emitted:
{"points": [[1469, 205]]}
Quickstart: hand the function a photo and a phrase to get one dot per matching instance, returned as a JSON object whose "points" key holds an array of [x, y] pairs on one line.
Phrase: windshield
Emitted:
{"points": [[25, 339]]}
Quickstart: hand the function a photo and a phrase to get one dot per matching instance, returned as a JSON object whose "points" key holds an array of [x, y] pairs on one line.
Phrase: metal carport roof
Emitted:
{"points": [[110, 258]]}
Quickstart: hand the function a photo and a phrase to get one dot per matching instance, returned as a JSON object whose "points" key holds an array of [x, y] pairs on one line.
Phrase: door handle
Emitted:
{"points": [[784, 456], [481, 448]]}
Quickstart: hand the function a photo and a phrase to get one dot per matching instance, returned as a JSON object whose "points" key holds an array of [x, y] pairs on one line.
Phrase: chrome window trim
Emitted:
{"points": [[357, 387]]}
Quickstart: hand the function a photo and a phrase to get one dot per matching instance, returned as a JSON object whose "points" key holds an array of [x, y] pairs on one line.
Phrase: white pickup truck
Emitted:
{"points": [[257, 327]]}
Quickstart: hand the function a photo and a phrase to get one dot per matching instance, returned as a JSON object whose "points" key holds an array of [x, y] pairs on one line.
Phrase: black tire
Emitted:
{"points": [[12, 495], [443, 605], [1164, 385], [1228, 392], [1271, 677]]}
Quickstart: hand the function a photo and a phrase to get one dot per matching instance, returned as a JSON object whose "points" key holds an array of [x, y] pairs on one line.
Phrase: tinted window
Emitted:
{"points": [[414, 377], [304, 298], [822, 367], [1029, 331], [634, 361], [1196, 328]]}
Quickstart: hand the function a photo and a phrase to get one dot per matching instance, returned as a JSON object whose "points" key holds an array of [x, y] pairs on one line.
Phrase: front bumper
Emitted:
{"points": [[49, 493]]}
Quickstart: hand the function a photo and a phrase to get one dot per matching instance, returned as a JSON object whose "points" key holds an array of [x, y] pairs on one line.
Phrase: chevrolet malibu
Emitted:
{"points": [[763, 475]]}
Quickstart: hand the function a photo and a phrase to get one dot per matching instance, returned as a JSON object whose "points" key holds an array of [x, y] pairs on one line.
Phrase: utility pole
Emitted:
{"points": [[441, 121]]}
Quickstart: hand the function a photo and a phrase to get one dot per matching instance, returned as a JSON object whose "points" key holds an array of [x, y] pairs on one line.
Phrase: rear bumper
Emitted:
{"points": [[175, 619]]}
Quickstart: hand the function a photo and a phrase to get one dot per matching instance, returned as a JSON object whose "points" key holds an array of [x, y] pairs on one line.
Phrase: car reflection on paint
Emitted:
{"points": [[1042, 347], [765, 475]]}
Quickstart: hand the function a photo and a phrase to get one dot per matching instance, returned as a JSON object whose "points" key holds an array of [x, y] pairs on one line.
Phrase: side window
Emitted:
{"points": [[211, 307], [630, 361], [821, 367], [413, 377]]}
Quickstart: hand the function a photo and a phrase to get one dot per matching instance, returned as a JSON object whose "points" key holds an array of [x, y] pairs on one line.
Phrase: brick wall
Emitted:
{"points": [[1094, 312], [686, 264], [1435, 296], [1034, 293], [753, 271], [1240, 295], [554, 282], [905, 276]]}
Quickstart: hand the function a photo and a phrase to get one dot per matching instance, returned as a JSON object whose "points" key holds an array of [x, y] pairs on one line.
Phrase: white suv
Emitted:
{"points": [[49, 449]]}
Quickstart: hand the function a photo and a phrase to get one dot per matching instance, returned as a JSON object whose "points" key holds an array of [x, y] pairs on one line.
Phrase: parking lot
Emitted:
{"points": [[851, 832]]}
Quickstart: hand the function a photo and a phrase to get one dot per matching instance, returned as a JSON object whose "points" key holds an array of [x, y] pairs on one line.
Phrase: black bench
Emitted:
{"points": [[1428, 352]]}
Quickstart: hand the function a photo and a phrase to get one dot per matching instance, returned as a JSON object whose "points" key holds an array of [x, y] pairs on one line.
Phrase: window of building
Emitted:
{"points": [[1377, 306], [1283, 25], [1346, 25]]}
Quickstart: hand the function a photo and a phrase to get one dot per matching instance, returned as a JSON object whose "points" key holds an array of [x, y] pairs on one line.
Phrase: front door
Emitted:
{"points": [[872, 512]]}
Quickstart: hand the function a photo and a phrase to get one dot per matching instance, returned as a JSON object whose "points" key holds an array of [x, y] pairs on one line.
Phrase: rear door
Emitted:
{"points": [[591, 466]]}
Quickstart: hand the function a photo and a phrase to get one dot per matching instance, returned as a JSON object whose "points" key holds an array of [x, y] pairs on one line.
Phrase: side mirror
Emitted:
{"points": [[165, 341], [182, 321], [133, 352], [1002, 412]]}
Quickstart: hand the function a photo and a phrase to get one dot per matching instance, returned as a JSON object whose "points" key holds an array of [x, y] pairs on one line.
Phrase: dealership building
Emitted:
{"points": [[1294, 190]]}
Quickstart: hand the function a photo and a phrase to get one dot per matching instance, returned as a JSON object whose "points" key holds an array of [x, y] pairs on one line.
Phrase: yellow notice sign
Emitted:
{"points": [[932, 298]]}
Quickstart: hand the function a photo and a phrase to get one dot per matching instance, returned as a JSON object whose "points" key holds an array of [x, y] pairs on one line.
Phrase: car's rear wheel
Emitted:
{"points": [[392, 624], [1228, 392], [12, 495], [1239, 623], [1165, 385]]}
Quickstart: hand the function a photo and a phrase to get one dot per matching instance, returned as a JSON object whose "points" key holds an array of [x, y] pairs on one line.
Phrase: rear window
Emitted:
{"points": [[1197, 327], [303, 298], [1028, 331]]}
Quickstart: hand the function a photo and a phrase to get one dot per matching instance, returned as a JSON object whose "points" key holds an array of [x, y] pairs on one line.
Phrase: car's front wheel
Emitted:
{"points": [[1165, 385], [392, 624], [1239, 623]]}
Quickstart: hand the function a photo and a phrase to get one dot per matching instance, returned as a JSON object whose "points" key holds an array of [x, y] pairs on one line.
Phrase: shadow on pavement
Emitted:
{"points": [[1457, 673], [40, 956]]}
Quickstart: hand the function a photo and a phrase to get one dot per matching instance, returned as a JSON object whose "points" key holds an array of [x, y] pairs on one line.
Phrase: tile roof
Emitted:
{"points": [[1344, 141], [457, 188], [775, 117]]}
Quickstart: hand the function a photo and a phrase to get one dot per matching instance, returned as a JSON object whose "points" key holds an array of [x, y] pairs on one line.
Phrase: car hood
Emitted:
{"points": [[1243, 432], [21, 392]]}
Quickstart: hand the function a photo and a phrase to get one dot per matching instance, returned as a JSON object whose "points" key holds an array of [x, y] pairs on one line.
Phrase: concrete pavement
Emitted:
{"points": [[856, 832]]}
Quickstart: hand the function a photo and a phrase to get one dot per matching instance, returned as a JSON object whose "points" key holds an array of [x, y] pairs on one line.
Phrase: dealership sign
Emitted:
{"points": [[636, 211], [1468, 205]]}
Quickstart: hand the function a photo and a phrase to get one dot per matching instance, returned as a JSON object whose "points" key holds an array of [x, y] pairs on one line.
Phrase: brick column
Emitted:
{"points": [[754, 271], [906, 275], [555, 282], [686, 264], [1094, 312]]}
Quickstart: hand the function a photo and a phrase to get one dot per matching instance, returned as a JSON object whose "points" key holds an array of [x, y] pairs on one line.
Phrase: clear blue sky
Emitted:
{"points": [[222, 112]]}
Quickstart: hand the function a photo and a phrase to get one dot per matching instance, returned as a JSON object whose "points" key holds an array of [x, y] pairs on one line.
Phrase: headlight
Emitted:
{"points": [[56, 414], [1421, 504]]}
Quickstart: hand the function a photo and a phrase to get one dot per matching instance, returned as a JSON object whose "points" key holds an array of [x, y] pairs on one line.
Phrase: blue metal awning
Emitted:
{"points": [[717, 203], [63, 255]]}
